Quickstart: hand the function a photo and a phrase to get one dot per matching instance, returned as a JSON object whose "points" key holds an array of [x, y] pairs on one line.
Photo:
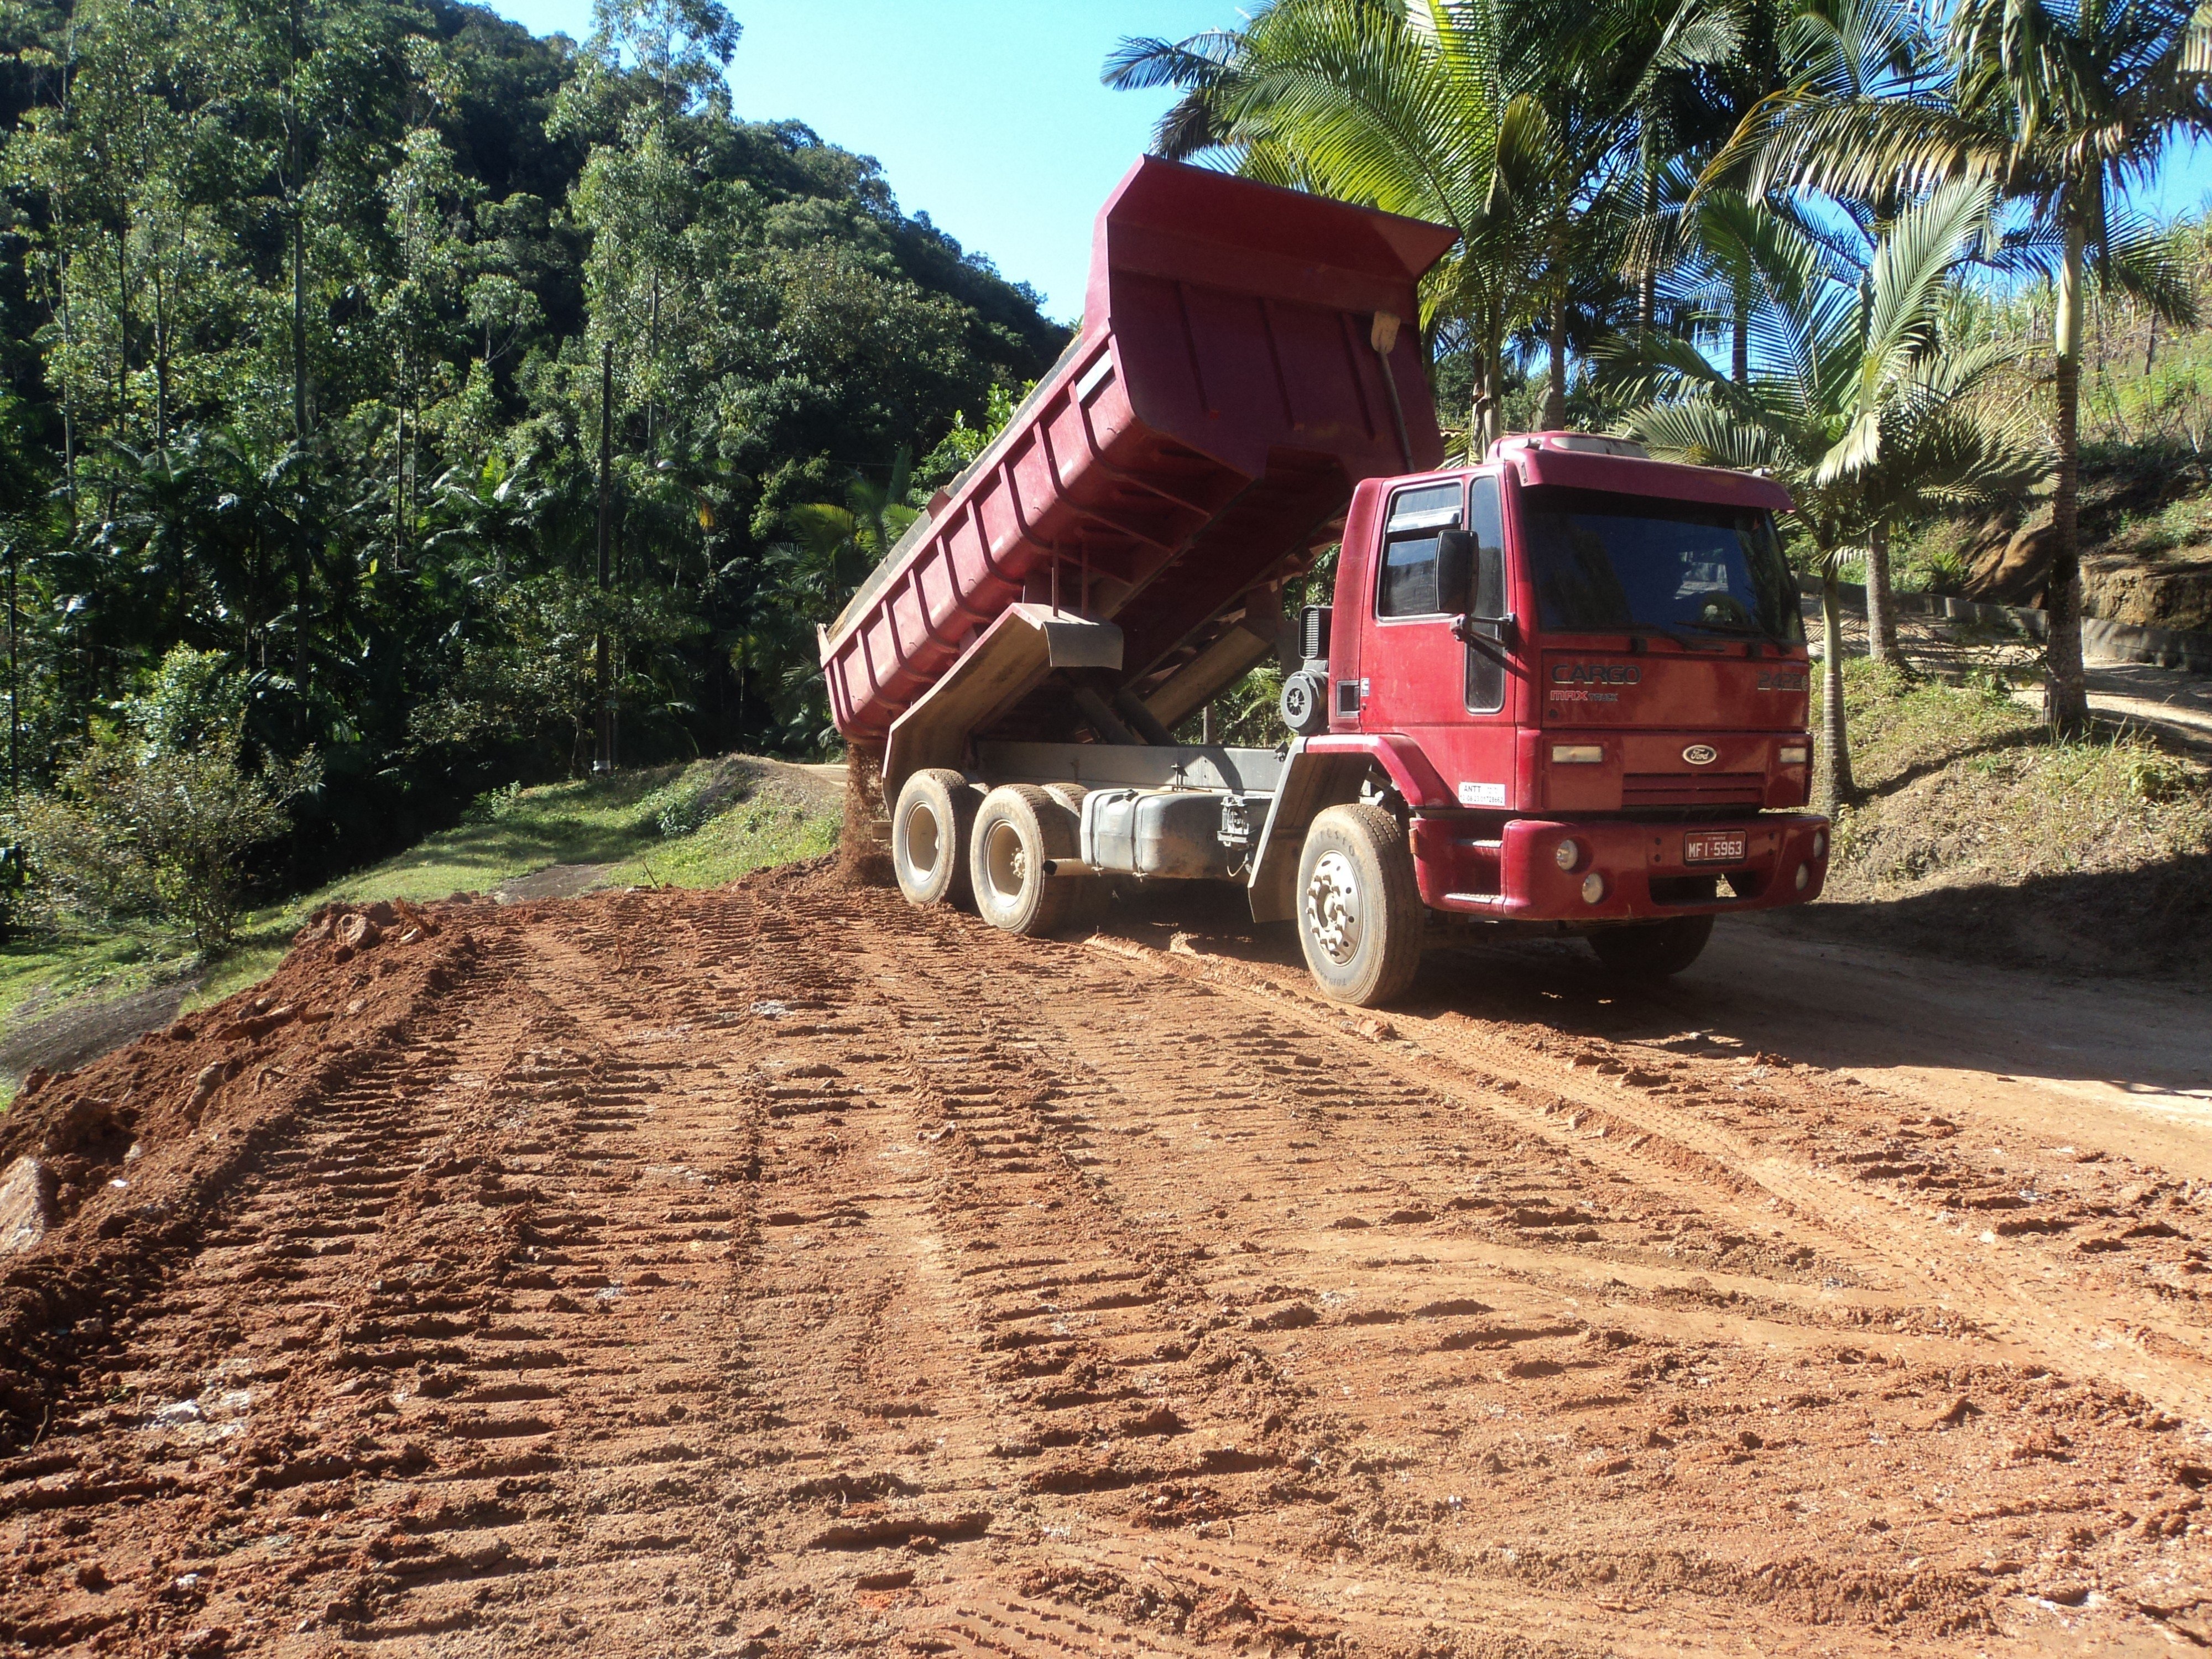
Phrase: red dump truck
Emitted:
{"points": [[1562, 690]]}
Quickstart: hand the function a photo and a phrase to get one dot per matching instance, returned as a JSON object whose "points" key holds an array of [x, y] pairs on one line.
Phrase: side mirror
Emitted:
{"points": [[1454, 571]]}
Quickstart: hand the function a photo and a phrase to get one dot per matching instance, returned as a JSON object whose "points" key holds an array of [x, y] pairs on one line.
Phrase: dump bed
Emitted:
{"points": [[1240, 367]]}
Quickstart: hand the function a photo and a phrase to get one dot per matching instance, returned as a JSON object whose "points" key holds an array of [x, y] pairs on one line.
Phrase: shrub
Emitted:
{"points": [[129, 833]]}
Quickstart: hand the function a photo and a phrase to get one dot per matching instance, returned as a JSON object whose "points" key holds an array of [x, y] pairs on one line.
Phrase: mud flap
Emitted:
{"points": [[1310, 783]]}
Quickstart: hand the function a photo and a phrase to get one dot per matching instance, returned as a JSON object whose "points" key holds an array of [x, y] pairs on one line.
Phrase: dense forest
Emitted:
{"points": [[311, 309], [319, 313]]}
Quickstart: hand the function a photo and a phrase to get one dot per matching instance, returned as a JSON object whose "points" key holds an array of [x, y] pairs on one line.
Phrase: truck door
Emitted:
{"points": [[1423, 681]]}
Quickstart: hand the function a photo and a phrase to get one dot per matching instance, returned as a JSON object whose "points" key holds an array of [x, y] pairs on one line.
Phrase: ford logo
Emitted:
{"points": [[1701, 754]]}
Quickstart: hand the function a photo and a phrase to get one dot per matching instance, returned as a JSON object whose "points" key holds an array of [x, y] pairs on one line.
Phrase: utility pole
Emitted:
{"points": [[603, 761]]}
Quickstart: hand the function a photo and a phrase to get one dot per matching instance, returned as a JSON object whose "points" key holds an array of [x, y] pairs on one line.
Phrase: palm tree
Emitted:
{"points": [[2062, 106], [1501, 121], [1856, 401], [1688, 112]]}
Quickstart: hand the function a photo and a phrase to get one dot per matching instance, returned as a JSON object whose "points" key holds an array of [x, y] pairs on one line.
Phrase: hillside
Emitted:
{"points": [[307, 336], [2146, 460]]}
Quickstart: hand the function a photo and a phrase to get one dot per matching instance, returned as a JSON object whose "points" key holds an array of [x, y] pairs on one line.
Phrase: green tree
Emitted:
{"points": [[2061, 107]]}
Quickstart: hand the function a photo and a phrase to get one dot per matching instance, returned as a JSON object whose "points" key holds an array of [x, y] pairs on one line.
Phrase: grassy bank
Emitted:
{"points": [[697, 826], [1976, 836]]}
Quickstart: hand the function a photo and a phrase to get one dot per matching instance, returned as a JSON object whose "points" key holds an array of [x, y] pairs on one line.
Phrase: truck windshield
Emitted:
{"points": [[1607, 563]]}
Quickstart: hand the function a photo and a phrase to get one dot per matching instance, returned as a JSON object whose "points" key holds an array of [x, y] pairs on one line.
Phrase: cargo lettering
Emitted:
{"points": [[1596, 673]]}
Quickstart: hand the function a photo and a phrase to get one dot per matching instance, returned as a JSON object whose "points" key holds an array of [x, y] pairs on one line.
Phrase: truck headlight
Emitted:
{"points": [[1577, 754], [1804, 877], [1567, 855], [1593, 887], [1793, 754], [1819, 843]]}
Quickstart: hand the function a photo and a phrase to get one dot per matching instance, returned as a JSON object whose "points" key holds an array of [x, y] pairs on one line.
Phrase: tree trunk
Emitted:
{"points": [[160, 366], [122, 332], [399, 470], [1647, 279], [1881, 608], [301, 564], [68, 381], [1483, 418], [1555, 395], [1740, 345], [2065, 692], [1835, 774]]}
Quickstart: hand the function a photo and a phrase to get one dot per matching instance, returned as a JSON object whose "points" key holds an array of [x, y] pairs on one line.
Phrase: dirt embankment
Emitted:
{"points": [[785, 1271]]}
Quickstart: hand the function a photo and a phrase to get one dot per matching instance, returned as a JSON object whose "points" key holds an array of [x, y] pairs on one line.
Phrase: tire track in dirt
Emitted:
{"points": [[1085, 1122], [1955, 1265], [462, 1318], [784, 1271]]}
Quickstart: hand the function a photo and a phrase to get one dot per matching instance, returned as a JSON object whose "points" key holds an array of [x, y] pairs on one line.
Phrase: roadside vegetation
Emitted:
{"points": [[1967, 803], [701, 826]]}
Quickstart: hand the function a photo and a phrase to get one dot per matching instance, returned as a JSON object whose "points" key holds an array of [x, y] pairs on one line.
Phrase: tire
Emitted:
{"points": [[930, 828], [1359, 912], [1652, 950], [1018, 830]]}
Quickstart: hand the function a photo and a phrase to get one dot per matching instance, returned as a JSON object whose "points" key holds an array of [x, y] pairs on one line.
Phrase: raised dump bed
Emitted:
{"points": [[1248, 354]]}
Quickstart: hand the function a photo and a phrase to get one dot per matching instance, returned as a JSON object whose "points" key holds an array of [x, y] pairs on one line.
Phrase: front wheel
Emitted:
{"points": [[1652, 950], [1360, 909]]}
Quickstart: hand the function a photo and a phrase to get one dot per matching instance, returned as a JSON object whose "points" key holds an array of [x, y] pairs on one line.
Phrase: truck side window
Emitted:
{"points": [[1408, 586], [1486, 674]]}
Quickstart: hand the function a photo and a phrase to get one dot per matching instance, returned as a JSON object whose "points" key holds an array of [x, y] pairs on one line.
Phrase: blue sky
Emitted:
{"points": [[988, 114]]}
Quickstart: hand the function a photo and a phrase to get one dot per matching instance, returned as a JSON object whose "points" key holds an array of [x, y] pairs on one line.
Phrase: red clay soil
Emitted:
{"points": [[784, 1271]]}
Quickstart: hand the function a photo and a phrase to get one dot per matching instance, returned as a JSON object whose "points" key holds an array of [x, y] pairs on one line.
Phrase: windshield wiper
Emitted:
{"points": [[1648, 630], [1735, 630]]}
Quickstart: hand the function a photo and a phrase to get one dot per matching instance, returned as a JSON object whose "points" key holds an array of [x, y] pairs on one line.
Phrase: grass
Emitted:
{"points": [[1976, 832], [701, 825]]}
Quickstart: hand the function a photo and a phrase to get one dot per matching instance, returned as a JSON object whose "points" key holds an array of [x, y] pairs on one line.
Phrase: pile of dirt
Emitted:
{"points": [[107, 1172], [782, 1270], [864, 843]]}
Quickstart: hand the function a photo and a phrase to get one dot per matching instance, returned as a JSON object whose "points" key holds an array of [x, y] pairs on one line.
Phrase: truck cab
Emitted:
{"points": [[1584, 675]]}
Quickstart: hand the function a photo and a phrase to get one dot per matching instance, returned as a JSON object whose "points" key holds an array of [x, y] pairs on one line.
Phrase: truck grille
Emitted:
{"points": [[1692, 789]]}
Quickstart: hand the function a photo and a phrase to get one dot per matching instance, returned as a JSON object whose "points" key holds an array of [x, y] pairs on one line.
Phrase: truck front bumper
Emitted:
{"points": [[1611, 870]]}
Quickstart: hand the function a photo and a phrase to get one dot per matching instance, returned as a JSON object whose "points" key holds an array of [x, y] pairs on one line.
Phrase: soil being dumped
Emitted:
{"points": [[784, 1271]]}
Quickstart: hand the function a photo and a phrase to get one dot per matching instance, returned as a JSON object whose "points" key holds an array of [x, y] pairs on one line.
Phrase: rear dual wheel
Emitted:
{"points": [[1020, 832], [930, 827]]}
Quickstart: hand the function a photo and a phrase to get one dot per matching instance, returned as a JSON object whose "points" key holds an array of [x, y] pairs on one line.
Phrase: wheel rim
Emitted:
{"points": [[923, 843], [1005, 860], [1331, 907]]}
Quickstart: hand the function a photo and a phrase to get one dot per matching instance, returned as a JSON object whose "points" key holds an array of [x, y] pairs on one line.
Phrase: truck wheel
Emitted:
{"points": [[1359, 910], [1019, 829], [1652, 950], [929, 836]]}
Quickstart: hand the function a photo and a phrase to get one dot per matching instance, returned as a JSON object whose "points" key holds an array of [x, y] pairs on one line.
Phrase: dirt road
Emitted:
{"points": [[785, 1272]]}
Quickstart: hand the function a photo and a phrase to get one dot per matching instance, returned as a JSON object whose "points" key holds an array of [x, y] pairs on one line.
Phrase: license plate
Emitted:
{"points": [[1713, 846]]}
